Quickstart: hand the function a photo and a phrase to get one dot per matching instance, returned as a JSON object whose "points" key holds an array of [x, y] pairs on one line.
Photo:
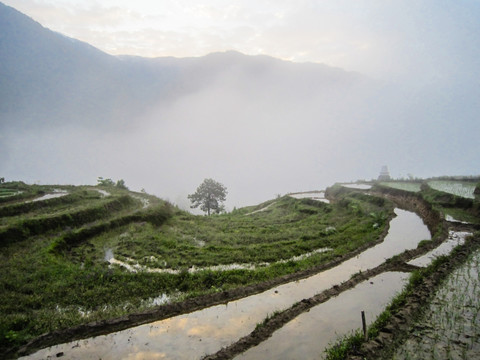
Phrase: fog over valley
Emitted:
{"points": [[261, 126]]}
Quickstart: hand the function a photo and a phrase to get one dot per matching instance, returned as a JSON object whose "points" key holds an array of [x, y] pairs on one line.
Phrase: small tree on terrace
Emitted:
{"points": [[209, 196]]}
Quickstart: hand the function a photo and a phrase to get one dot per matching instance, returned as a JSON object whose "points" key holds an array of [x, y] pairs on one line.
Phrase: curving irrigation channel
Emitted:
{"points": [[204, 332]]}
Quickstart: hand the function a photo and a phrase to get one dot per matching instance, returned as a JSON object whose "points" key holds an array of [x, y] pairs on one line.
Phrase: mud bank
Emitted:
{"points": [[415, 202], [270, 325]]}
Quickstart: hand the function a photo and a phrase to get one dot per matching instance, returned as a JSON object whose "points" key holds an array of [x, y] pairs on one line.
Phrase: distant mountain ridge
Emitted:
{"points": [[49, 79]]}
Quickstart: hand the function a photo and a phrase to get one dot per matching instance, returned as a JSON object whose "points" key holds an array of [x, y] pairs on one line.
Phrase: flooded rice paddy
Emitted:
{"points": [[56, 193], [103, 192], [357, 186], [458, 188], [450, 327], [455, 238], [450, 218], [313, 331], [133, 266], [313, 195], [194, 335]]}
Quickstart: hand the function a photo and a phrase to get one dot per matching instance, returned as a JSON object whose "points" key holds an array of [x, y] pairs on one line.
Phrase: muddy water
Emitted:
{"points": [[313, 331], [194, 335]]}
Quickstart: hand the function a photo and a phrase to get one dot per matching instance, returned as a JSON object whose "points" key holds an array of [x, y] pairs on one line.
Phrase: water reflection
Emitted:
{"points": [[357, 186], [455, 238], [313, 195], [313, 331], [56, 193]]}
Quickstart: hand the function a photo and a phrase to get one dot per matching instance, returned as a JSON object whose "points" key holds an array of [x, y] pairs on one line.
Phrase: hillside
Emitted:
{"points": [[72, 255], [86, 254], [50, 80]]}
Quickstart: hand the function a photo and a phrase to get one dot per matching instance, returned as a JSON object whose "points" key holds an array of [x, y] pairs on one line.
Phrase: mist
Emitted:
{"points": [[265, 127], [258, 140]]}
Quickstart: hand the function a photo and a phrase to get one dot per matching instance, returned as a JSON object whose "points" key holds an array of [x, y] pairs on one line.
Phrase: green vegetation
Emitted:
{"points": [[53, 269], [110, 183], [451, 197], [209, 197], [344, 346], [459, 188], [460, 208]]}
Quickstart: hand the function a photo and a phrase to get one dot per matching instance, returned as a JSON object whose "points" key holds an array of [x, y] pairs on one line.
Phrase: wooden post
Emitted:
{"points": [[364, 325]]}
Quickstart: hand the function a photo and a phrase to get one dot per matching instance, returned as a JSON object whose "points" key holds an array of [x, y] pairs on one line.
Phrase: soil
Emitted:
{"points": [[432, 219]]}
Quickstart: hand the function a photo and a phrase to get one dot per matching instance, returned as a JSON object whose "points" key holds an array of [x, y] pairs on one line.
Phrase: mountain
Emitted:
{"points": [[51, 79]]}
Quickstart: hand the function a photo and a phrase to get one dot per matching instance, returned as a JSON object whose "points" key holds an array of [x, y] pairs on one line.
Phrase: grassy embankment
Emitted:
{"points": [[54, 276], [455, 198]]}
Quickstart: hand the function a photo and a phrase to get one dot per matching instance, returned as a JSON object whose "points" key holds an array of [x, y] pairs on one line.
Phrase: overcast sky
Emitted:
{"points": [[376, 37]]}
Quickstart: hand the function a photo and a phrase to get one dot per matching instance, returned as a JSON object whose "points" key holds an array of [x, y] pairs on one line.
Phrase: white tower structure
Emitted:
{"points": [[384, 174]]}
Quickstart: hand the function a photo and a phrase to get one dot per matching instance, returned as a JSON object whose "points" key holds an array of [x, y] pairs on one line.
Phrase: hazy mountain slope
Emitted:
{"points": [[48, 78]]}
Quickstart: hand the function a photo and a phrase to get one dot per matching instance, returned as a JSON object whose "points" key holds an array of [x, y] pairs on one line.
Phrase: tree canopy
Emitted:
{"points": [[209, 196], [109, 182]]}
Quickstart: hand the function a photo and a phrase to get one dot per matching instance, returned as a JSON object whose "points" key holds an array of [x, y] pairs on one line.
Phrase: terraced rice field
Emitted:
{"points": [[450, 328], [98, 253], [458, 188]]}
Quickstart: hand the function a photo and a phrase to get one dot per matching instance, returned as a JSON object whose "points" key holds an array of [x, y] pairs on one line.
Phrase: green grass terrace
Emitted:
{"points": [[57, 271]]}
